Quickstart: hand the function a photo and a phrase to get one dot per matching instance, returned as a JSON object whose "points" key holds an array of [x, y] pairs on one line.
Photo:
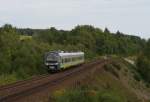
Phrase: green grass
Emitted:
{"points": [[12, 78], [7, 79], [89, 95]]}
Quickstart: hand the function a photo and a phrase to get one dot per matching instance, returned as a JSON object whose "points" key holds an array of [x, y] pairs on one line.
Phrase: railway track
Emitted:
{"points": [[21, 82], [21, 89]]}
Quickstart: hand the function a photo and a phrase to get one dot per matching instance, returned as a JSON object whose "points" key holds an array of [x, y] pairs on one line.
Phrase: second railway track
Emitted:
{"points": [[21, 89]]}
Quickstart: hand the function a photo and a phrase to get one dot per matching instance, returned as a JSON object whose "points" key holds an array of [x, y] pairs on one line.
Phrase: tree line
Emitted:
{"points": [[143, 62]]}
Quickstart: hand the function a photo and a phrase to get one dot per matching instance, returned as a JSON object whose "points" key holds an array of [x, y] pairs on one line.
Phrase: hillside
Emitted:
{"points": [[22, 50], [116, 82]]}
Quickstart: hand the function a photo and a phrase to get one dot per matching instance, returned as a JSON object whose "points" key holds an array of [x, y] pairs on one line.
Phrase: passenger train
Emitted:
{"points": [[59, 60]]}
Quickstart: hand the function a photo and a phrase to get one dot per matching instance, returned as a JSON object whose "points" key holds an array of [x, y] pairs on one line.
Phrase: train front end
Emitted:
{"points": [[52, 61]]}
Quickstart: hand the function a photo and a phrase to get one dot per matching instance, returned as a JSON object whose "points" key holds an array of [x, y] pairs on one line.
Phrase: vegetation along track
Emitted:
{"points": [[21, 89]]}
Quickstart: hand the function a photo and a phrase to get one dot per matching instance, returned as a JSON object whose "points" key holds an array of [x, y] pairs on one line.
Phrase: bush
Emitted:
{"points": [[79, 95], [75, 96], [8, 78], [143, 67], [109, 97], [137, 77]]}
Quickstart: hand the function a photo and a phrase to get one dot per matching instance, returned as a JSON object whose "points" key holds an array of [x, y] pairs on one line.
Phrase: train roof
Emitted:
{"points": [[70, 53], [65, 54]]}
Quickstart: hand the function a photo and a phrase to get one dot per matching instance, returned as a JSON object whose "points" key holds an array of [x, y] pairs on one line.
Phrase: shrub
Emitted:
{"points": [[143, 67], [109, 97], [79, 95]]}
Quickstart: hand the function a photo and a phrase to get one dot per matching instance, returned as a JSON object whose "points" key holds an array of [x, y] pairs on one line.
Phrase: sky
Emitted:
{"points": [[128, 16]]}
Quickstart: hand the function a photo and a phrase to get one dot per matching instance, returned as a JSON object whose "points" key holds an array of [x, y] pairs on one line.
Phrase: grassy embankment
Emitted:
{"points": [[117, 82]]}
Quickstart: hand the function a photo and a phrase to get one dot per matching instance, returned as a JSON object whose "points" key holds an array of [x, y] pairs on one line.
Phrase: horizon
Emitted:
{"points": [[76, 26], [129, 17]]}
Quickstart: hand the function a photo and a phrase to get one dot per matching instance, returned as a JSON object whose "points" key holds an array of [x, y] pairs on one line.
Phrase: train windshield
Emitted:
{"points": [[51, 58]]}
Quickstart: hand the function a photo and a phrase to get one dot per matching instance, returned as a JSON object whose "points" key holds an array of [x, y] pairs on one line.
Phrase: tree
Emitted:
{"points": [[8, 44], [143, 63], [147, 49], [106, 31]]}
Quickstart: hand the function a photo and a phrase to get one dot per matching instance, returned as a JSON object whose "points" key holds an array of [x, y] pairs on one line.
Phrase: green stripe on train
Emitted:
{"points": [[67, 65]]}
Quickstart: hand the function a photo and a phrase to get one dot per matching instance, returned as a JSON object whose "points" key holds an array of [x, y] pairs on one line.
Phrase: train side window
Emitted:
{"points": [[82, 57], [62, 60], [78, 58], [74, 58], [69, 59], [65, 60]]}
